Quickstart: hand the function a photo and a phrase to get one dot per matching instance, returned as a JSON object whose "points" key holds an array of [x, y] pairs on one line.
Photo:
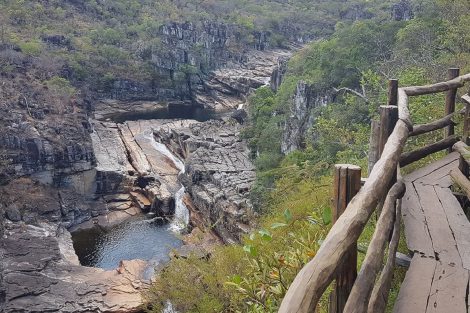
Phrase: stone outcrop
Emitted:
{"points": [[228, 88], [305, 99], [53, 281], [402, 11], [64, 170], [218, 176], [30, 201], [278, 73]]}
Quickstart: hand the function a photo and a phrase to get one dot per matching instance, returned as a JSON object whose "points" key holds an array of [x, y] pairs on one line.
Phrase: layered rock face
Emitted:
{"points": [[305, 99], [109, 170], [53, 280], [191, 51], [218, 173], [278, 73], [202, 57], [218, 176], [227, 88]]}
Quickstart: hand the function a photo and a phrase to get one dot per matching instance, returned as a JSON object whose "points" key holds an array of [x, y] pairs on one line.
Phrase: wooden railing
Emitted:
{"points": [[383, 189]]}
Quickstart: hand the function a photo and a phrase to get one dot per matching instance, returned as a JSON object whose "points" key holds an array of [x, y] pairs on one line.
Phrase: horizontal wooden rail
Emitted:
{"points": [[310, 283], [313, 279], [413, 156], [438, 87], [432, 126], [359, 297]]}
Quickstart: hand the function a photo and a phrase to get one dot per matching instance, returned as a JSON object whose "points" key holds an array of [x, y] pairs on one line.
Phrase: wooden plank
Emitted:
{"points": [[432, 177], [443, 242], [448, 290], [458, 222], [444, 182], [426, 170], [416, 230], [414, 292]]}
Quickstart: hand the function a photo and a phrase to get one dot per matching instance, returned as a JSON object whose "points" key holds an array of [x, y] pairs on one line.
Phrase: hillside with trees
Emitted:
{"points": [[350, 70], [58, 59]]}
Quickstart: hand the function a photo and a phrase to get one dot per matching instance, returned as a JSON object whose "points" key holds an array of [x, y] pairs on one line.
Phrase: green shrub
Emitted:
{"points": [[60, 86], [31, 48]]}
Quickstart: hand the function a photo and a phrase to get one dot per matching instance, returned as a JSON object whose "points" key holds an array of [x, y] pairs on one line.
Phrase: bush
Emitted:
{"points": [[31, 48], [61, 86]]}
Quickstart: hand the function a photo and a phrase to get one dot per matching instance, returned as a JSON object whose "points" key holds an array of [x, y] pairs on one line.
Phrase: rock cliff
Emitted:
{"points": [[62, 167], [300, 119]]}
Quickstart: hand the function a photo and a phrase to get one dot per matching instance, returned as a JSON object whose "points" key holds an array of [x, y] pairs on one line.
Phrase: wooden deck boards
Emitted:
{"points": [[438, 231]]}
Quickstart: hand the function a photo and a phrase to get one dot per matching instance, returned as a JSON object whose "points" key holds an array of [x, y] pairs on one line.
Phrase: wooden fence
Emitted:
{"points": [[336, 259]]}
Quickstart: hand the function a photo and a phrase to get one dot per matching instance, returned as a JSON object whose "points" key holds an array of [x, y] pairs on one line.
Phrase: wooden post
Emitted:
{"points": [[373, 145], [347, 183], [466, 122], [463, 166], [393, 92], [450, 100], [388, 120]]}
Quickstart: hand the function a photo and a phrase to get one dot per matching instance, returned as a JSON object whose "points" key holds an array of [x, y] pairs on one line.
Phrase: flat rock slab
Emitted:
{"points": [[41, 274]]}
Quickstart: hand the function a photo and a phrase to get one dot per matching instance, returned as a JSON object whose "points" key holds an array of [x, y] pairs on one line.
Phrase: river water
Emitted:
{"points": [[141, 237]]}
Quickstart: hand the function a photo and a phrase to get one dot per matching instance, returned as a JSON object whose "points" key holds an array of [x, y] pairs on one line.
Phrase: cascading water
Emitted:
{"points": [[181, 217], [105, 248]]}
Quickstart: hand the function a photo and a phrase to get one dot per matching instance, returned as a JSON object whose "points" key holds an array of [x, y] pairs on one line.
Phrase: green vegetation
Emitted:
{"points": [[92, 38], [254, 277], [292, 191], [96, 42]]}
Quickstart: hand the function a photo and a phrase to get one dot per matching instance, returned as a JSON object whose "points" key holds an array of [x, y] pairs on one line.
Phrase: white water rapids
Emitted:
{"points": [[181, 217]]}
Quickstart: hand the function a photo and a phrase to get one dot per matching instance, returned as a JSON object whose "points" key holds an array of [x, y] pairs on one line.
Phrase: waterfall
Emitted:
{"points": [[160, 147], [168, 308], [181, 217]]}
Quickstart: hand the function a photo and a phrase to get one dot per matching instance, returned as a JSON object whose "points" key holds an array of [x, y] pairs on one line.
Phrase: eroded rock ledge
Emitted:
{"points": [[219, 173], [53, 280]]}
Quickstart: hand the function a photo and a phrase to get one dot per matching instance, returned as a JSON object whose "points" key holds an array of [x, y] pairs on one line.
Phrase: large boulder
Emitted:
{"points": [[41, 274]]}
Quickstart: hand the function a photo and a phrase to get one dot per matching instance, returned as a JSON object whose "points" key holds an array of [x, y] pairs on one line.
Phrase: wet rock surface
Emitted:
{"points": [[53, 281]]}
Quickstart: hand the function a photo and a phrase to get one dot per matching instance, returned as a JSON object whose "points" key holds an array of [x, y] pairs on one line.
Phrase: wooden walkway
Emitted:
{"points": [[438, 232]]}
